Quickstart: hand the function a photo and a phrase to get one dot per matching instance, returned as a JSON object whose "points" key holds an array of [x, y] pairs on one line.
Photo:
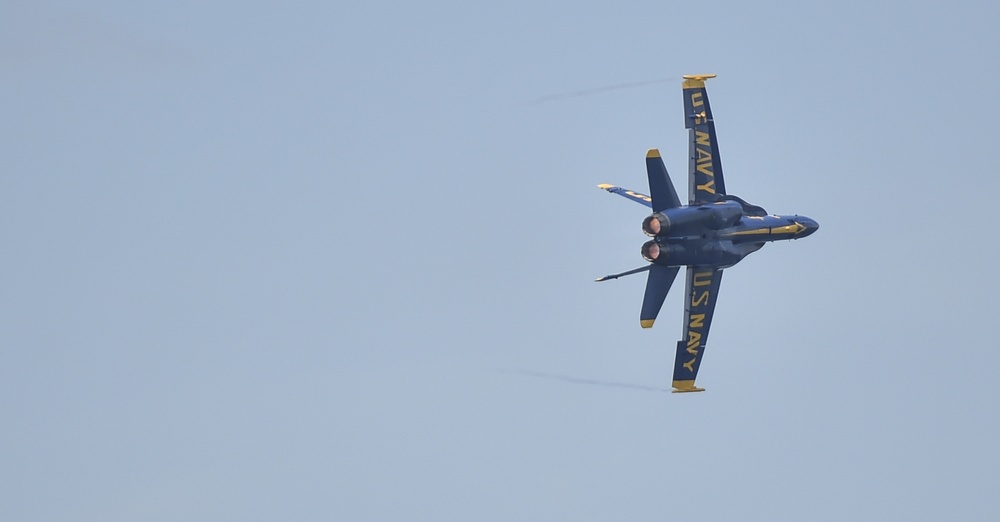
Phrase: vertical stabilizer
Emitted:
{"points": [[657, 285], [661, 190]]}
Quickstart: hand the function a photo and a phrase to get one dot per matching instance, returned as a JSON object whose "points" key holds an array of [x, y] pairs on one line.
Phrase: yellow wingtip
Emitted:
{"points": [[646, 323], [696, 81], [653, 153], [686, 387], [605, 186]]}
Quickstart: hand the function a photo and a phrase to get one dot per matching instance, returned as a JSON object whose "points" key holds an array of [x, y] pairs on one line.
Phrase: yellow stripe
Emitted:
{"points": [[751, 232], [786, 229], [653, 153], [646, 323], [605, 186]]}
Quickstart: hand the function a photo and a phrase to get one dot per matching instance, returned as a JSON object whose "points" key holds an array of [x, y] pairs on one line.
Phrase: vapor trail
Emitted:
{"points": [[596, 90], [578, 380]]}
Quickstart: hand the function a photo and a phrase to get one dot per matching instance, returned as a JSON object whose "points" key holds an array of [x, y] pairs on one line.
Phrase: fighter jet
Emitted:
{"points": [[714, 231]]}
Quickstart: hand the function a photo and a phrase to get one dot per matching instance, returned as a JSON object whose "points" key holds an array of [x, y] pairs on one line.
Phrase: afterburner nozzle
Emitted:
{"points": [[655, 224], [650, 251]]}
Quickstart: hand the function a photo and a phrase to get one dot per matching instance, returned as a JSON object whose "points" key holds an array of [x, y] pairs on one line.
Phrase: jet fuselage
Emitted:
{"points": [[716, 235]]}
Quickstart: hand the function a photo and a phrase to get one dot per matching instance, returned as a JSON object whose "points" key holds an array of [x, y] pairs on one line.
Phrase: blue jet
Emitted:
{"points": [[715, 230]]}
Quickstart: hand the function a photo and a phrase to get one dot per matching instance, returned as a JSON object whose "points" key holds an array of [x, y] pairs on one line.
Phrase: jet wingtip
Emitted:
{"points": [[685, 387], [696, 81], [653, 153], [699, 77], [646, 323], [605, 186]]}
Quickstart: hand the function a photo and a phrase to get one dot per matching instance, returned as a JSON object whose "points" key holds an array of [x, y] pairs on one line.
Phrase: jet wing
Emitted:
{"points": [[705, 182], [699, 306], [634, 196]]}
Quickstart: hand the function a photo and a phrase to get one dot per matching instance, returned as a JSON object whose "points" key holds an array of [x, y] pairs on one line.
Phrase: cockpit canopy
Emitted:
{"points": [[748, 209]]}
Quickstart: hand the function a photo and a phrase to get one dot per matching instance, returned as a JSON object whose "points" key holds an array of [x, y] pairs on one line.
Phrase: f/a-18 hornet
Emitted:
{"points": [[715, 230]]}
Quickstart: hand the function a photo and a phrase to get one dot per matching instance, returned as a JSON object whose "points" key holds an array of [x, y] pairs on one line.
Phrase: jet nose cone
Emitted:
{"points": [[810, 224]]}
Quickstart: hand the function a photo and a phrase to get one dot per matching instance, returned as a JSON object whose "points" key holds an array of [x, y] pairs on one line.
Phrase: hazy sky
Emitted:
{"points": [[335, 261]]}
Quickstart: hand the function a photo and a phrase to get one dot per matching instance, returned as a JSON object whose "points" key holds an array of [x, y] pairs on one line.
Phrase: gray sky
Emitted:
{"points": [[335, 262]]}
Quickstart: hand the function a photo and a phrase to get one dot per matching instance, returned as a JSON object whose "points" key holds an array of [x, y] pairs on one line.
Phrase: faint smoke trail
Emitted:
{"points": [[597, 90], [578, 380]]}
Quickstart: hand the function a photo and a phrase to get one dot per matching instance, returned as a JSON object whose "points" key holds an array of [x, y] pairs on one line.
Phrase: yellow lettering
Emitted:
{"points": [[697, 321], [690, 364], [701, 299], [640, 196], [696, 99], [694, 339], [704, 159], [702, 278]]}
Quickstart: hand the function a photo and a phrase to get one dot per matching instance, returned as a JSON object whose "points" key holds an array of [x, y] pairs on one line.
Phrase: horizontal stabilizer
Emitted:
{"points": [[638, 197]]}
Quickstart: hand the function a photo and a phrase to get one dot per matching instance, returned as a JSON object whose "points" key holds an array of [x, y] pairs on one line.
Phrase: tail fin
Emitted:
{"points": [[660, 188], [657, 285]]}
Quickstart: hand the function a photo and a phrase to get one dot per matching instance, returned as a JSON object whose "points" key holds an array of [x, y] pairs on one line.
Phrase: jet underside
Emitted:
{"points": [[711, 232]]}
